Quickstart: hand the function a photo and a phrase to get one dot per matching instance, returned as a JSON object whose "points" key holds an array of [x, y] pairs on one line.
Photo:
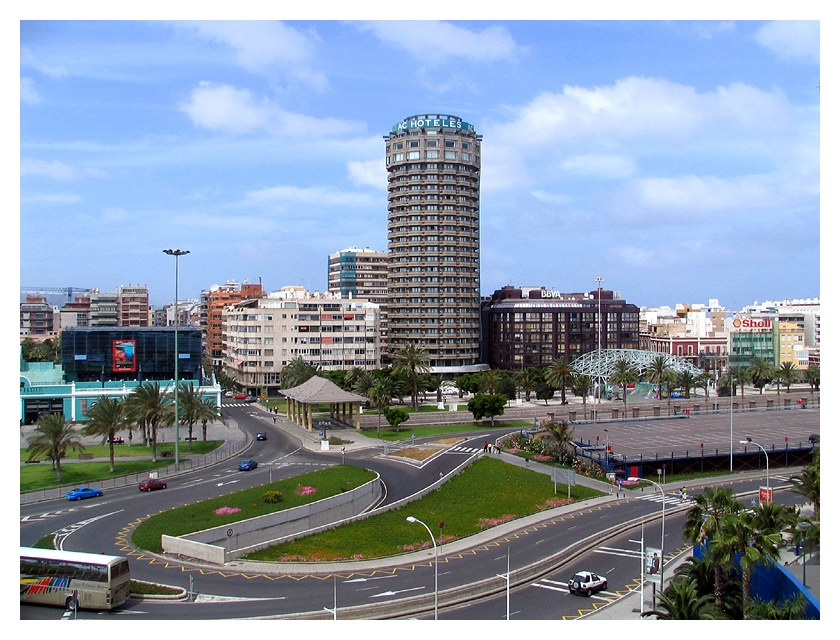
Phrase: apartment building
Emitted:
{"points": [[213, 303], [262, 335]]}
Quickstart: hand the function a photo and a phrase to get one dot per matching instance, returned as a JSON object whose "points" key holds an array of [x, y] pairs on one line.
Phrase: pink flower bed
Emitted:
{"points": [[305, 491], [484, 523], [226, 511], [543, 458], [513, 450], [554, 502]]}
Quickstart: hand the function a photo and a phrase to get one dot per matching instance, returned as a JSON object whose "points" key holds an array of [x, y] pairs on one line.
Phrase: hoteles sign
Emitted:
{"points": [[433, 122]]}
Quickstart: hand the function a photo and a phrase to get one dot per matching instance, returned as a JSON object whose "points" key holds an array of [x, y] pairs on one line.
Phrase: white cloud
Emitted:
{"points": [[551, 198], [55, 170], [370, 173], [794, 40], [321, 196], [28, 93], [265, 47], [434, 43], [599, 165], [229, 109], [50, 198]]}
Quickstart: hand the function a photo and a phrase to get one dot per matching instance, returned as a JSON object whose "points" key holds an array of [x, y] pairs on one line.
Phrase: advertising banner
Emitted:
{"points": [[124, 356]]}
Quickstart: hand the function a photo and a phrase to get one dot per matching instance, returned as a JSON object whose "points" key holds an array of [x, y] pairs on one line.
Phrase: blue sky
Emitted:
{"points": [[679, 160]]}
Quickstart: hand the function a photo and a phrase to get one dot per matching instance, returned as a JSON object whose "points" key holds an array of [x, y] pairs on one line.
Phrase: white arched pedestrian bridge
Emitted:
{"points": [[599, 365]]}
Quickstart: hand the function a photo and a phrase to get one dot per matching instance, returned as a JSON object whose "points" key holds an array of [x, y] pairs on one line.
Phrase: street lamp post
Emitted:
{"points": [[662, 543], [599, 280], [177, 253], [434, 545], [749, 440]]}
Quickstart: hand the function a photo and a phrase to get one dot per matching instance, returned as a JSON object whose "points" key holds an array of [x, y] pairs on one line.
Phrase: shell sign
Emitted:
{"points": [[752, 323]]}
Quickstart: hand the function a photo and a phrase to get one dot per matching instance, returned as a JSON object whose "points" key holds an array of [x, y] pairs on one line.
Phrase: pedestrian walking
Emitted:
{"points": [[485, 446]]}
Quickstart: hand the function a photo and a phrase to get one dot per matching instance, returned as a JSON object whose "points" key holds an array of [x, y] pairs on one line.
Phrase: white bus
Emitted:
{"points": [[73, 579]]}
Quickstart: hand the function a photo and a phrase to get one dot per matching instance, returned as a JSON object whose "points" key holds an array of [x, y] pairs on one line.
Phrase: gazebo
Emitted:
{"points": [[301, 399]]}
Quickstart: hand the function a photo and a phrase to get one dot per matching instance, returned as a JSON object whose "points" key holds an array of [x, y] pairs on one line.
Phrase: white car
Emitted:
{"points": [[586, 582], [228, 394]]}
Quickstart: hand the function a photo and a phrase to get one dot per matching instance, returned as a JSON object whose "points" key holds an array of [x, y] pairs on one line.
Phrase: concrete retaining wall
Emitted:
{"points": [[221, 544]]}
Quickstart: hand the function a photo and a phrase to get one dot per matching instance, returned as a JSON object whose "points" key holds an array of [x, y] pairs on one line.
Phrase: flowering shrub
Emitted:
{"points": [[305, 490], [485, 523], [551, 503], [225, 511], [543, 458], [271, 496]]}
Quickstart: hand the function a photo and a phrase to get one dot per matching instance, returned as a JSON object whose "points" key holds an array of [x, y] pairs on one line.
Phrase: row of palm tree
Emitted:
{"points": [[737, 538], [146, 408]]}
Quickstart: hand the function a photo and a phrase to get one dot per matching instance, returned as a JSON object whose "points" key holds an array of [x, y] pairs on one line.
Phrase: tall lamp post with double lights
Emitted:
{"points": [[177, 253], [431, 535], [599, 280], [749, 440], [662, 543]]}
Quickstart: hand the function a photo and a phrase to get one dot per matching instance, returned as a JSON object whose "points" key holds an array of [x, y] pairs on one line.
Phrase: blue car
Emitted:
{"points": [[247, 465], [80, 493]]}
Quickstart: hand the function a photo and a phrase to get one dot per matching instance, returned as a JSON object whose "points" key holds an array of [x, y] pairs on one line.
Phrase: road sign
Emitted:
{"points": [[765, 494]]}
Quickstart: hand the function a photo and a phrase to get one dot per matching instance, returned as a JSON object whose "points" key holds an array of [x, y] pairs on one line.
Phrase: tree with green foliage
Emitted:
{"points": [[703, 571], [702, 525], [147, 405], [545, 392], [379, 395], [581, 383], [469, 383], [561, 436], [414, 362], [623, 374], [786, 374], [739, 535], [807, 483], [761, 373], [396, 416], [296, 373], [704, 381], [790, 609], [812, 375], [529, 379], [487, 405], [106, 417], [682, 601], [208, 411], [657, 372], [53, 438], [559, 375], [742, 376], [687, 381]]}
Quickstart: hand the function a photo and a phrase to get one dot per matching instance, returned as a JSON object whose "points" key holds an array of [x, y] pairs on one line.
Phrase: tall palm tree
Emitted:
{"points": [[146, 405], [702, 526], [491, 382], [53, 438], [561, 435], [807, 483], [761, 373], [580, 386], [528, 379], [189, 406], [657, 372], [742, 376], [105, 418], [739, 533], [559, 375], [379, 394], [787, 374], [413, 361], [703, 571], [623, 374], [812, 375], [687, 381], [208, 411], [704, 380]]}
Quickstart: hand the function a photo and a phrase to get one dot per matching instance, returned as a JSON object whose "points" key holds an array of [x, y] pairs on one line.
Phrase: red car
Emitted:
{"points": [[240, 396], [150, 484]]}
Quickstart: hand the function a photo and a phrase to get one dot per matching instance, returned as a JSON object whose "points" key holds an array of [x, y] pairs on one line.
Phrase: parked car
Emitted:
{"points": [[247, 465], [240, 396], [262, 436], [80, 493], [117, 440], [586, 582], [228, 394], [150, 484], [251, 399]]}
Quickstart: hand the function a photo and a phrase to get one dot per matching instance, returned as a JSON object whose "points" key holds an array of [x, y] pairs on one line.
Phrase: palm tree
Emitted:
{"points": [[559, 375], [761, 372], [623, 374], [105, 418], [351, 378], [687, 381], [529, 379], [413, 361], [741, 377], [580, 386], [807, 483], [296, 373], [682, 601], [739, 533], [380, 394], [146, 405], [657, 372], [561, 435], [704, 380], [812, 375], [491, 382], [189, 406], [52, 438], [703, 571], [702, 526], [208, 411]]}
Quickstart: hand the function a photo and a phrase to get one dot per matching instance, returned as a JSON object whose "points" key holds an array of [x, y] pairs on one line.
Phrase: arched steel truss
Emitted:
{"points": [[600, 367]]}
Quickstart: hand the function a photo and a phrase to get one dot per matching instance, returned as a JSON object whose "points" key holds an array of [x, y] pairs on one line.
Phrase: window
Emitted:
{"points": [[432, 154], [412, 155]]}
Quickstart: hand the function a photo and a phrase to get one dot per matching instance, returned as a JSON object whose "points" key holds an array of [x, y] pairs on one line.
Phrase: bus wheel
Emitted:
{"points": [[71, 603]]}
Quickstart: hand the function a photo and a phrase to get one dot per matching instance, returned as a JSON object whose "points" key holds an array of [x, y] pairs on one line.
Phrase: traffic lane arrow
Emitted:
{"points": [[393, 593]]}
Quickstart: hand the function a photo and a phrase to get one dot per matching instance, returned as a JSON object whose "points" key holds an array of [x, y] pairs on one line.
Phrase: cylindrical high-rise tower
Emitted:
{"points": [[433, 163]]}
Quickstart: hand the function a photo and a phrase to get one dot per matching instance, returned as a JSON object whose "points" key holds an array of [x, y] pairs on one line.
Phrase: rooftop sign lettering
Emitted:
{"points": [[433, 122]]}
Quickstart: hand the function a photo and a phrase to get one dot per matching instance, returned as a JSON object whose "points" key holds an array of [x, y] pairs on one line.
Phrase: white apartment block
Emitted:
{"points": [[263, 335]]}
